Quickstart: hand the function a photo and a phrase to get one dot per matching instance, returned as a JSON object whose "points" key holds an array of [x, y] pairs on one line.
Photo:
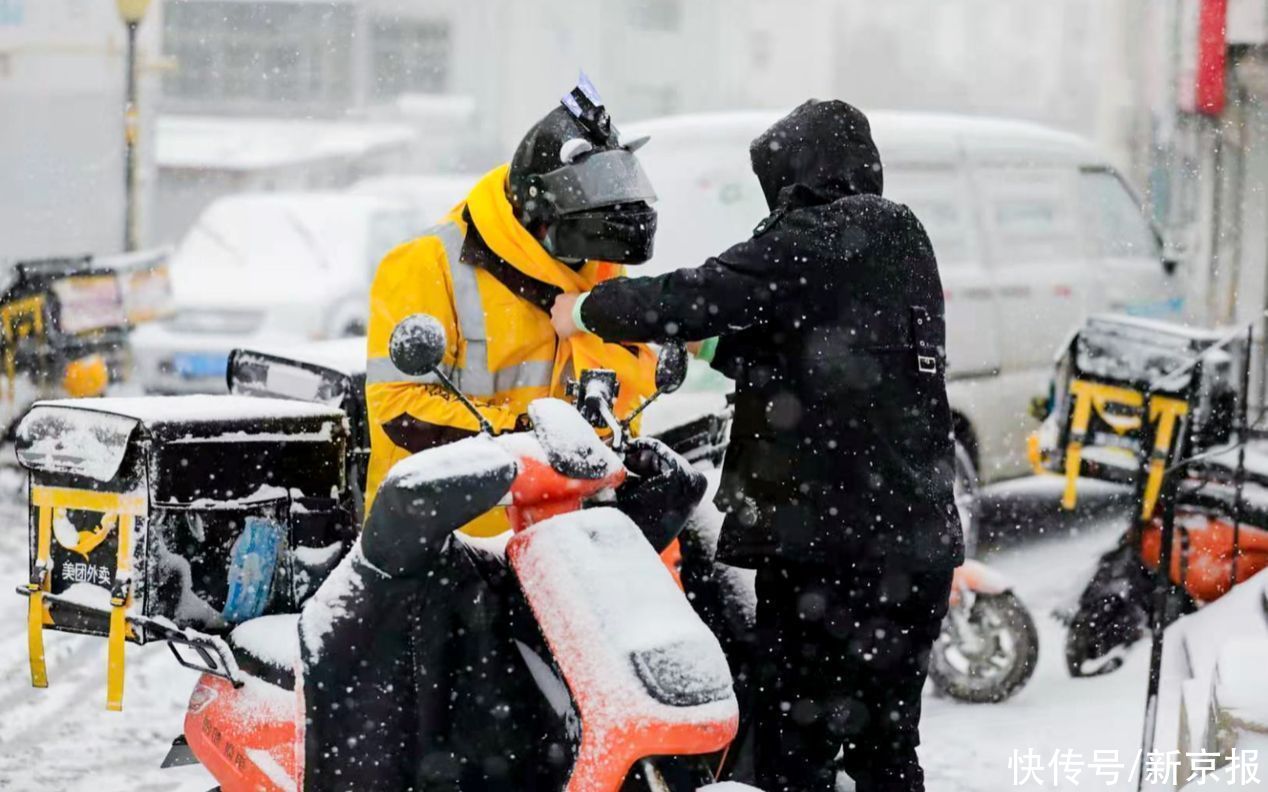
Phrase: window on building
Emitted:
{"points": [[410, 56], [1116, 225], [659, 15], [230, 53], [280, 71]]}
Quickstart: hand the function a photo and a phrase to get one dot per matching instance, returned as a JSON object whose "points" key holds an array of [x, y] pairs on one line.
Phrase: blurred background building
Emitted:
{"points": [[248, 95], [61, 125], [465, 77], [468, 77]]}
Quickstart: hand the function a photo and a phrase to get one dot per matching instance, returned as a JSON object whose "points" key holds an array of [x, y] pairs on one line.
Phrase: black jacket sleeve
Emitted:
{"points": [[759, 281], [730, 292]]}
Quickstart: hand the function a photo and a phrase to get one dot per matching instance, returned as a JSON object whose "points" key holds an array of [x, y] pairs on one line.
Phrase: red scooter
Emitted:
{"points": [[646, 688]]}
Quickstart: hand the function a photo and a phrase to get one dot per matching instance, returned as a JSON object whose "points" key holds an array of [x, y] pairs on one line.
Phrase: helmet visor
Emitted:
{"points": [[604, 178]]}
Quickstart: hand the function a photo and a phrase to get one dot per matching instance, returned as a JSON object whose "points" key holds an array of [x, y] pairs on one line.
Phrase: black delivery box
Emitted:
{"points": [[197, 511]]}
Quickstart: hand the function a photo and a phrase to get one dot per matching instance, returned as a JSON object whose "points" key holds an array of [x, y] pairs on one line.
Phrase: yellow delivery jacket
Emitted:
{"points": [[502, 351]]}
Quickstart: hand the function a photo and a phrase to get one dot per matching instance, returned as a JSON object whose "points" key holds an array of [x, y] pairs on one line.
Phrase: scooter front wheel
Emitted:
{"points": [[987, 651]]}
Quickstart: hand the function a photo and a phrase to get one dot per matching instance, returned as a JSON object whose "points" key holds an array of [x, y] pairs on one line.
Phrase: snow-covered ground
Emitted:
{"points": [[967, 748], [62, 738]]}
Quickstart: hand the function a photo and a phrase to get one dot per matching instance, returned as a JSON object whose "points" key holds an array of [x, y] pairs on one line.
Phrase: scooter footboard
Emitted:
{"points": [[647, 675]]}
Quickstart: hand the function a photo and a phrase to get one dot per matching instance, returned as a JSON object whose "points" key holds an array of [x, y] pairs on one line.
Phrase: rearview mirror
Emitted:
{"points": [[417, 346], [671, 366]]}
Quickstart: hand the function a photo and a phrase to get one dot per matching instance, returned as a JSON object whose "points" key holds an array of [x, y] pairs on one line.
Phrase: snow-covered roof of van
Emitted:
{"points": [[905, 133]]}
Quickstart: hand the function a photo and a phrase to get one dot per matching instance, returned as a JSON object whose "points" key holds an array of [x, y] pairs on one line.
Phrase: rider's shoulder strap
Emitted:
{"points": [[477, 253]]}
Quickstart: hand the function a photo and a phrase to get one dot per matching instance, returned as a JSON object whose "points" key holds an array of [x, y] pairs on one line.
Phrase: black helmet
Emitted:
{"points": [[573, 176]]}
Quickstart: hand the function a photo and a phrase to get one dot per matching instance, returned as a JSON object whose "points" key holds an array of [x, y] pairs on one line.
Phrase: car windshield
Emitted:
{"points": [[314, 236], [387, 229]]}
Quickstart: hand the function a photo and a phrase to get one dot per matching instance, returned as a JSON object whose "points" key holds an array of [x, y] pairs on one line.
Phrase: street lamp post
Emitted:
{"points": [[132, 12]]}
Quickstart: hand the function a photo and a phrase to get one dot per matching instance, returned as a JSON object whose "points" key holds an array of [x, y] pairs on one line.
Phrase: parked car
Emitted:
{"points": [[431, 195], [266, 269], [1034, 229]]}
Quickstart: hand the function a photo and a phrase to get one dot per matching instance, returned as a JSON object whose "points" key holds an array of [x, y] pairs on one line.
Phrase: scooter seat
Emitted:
{"points": [[646, 674], [267, 647]]}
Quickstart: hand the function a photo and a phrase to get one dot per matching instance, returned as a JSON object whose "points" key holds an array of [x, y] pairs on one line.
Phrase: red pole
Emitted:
{"points": [[1211, 95]]}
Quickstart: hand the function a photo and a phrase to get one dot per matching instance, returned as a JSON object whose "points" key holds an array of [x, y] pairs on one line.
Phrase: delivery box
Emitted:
{"points": [[162, 517]]}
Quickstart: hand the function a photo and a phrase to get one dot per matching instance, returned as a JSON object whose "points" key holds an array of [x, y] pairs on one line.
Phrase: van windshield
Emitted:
{"points": [[1117, 227]]}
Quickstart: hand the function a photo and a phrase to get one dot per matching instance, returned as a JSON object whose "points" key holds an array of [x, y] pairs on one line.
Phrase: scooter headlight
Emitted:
{"points": [[684, 674]]}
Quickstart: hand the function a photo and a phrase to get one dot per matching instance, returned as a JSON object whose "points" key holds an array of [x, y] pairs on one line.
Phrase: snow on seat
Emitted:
{"points": [[268, 647], [645, 671]]}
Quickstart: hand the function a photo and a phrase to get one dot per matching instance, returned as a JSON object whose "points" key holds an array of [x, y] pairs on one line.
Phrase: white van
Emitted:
{"points": [[1033, 228]]}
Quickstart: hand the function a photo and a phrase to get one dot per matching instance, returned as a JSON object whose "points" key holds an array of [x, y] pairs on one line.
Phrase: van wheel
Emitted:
{"points": [[965, 489]]}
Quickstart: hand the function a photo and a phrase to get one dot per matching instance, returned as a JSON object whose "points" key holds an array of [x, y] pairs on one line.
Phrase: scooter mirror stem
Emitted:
{"points": [[485, 426], [639, 409], [671, 370]]}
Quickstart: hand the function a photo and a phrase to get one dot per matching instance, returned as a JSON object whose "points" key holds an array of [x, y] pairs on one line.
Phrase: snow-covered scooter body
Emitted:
{"points": [[645, 676]]}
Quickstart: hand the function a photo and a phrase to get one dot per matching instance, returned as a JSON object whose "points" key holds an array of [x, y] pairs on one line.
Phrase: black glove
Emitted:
{"points": [[661, 492], [427, 497]]}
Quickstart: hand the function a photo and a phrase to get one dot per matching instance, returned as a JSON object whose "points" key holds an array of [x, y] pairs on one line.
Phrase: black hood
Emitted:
{"points": [[818, 153]]}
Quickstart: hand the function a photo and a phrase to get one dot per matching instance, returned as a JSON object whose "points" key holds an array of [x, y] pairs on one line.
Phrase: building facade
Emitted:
{"points": [[510, 60], [471, 75], [1217, 165], [1072, 64], [61, 126]]}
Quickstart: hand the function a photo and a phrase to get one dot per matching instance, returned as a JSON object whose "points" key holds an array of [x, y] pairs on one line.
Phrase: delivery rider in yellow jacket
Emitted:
{"points": [[568, 211]]}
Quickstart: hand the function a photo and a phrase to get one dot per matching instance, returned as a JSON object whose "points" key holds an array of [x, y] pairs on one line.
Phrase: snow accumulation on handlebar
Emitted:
{"points": [[474, 457], [570, 442]]}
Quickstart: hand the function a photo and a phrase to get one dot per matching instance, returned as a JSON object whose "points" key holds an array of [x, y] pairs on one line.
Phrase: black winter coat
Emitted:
{"points": [[831, 324]]}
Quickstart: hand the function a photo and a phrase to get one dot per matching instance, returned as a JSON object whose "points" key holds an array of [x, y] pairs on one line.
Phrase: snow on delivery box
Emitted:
{"points": [[175, 518], [1115, 372]]}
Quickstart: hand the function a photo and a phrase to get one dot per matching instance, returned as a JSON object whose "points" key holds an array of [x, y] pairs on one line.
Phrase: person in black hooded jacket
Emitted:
{"points": [[837, 483]]}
